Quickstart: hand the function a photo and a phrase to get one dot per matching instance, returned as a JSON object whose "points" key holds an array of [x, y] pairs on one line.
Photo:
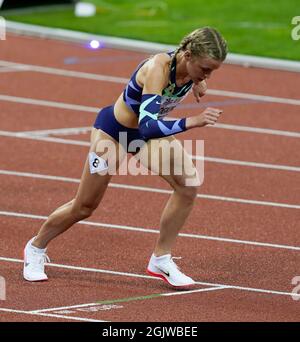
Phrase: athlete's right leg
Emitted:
{"points": [[90, 192]]}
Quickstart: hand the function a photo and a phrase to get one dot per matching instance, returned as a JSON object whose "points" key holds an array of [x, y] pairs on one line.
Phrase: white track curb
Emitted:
{"points": [[142, 46]]}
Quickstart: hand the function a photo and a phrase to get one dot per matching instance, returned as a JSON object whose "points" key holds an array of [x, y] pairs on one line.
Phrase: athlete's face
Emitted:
{"points": [[200, 68]]}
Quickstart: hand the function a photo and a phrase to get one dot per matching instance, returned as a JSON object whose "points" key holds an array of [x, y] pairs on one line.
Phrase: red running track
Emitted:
{"points": [[95, 252]]}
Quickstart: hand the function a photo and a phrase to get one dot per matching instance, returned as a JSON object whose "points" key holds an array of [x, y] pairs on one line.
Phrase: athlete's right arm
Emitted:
{"points": [[154, 79], [208, 117]]}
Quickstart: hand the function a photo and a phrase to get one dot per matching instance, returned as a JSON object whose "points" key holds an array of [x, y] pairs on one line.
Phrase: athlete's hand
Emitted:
{"points": [[199, 90], [208, 117]]}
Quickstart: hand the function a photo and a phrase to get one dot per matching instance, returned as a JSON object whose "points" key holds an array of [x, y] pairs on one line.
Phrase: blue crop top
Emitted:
{"points": [[151, 108], [172, 95]]}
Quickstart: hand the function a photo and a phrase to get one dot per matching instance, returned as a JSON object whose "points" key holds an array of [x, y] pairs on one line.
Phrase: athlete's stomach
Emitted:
{"points": [[125, 115]]}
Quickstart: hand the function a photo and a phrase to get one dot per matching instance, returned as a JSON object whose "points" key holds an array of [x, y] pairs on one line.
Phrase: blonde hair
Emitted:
{"points": [[204, 42]]}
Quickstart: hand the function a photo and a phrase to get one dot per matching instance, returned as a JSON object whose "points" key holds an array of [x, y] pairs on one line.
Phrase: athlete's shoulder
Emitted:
{"points": [[159, 61], [156, 69]]}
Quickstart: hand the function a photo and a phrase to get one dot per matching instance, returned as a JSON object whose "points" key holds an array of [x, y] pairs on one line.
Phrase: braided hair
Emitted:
{"points": [[204, 42]]}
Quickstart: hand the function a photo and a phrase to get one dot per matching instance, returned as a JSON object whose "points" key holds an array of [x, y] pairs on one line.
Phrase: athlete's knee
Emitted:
{"points": [[189, 193], [188, 185], [83, 211]]}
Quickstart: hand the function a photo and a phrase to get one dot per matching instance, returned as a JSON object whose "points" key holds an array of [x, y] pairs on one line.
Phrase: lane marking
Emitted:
{"points": [[135, 275], [44, 138], [257, 130], [13, 69], [91, 309], [50, 315], [248, 164], [132, 299], [121, 80], [156, 231], [67, 73], [38, 137], [59, 131], [45, 103], [152, 189], [157, 295], [214, 103], [83, 130], [263, 98], [99, 59], [78, 306], [37, 102]]}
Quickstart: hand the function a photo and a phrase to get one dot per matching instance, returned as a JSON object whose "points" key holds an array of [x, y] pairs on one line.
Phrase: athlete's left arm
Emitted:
{"points": [[150, 126]]}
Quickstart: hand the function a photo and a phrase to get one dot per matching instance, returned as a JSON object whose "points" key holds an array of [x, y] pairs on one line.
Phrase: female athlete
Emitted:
{"points": [[156, 87]]}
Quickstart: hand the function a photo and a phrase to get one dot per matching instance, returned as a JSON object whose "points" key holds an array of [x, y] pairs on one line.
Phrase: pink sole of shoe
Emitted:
{"points": [[184, 287], [36, 281]]}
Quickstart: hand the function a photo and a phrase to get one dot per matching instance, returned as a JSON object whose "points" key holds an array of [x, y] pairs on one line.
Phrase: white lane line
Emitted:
{"points": [[135, 275], [87, 269], [94, 110], [151, 189], [175, 293], [65, 307], [179, 293], [248, 164], [45, 103], [83, 130], [107, 78], [37, 137], [257, 130], [263, 98], [68, 73], [156, 231], [13, 69], [26, 135], [49, 315], [58, 131]]}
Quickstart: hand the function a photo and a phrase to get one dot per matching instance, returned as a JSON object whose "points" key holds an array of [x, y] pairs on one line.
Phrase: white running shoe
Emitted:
{"points": [[34, 263], [165, 268]]}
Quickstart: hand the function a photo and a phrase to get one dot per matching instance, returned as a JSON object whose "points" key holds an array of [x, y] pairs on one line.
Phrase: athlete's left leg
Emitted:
{"points": [[168, 158], [177, 168]]}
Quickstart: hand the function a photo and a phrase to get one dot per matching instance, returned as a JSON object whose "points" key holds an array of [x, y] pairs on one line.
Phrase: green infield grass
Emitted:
{"points": [[253, 27]]}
